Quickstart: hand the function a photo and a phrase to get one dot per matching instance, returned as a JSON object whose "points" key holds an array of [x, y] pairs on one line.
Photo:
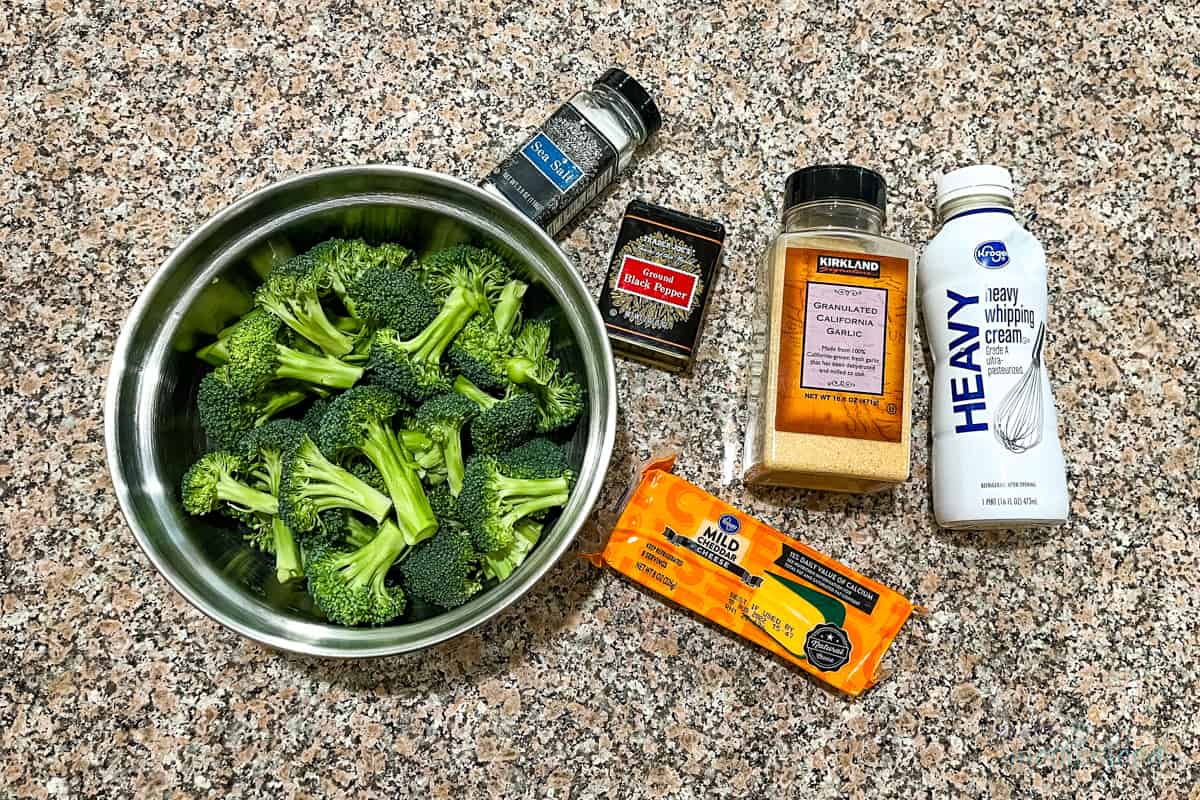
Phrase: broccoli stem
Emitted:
{"points": [[340, 488], [239, 494], [534, 505], [368, 565], [453, 455], [456, 312], [523, 372], [473, 393], [322, 370], [508, 307], [307, 318], [277, 403], [289, 564], [214, 354], [413, 515], [530, 487]]}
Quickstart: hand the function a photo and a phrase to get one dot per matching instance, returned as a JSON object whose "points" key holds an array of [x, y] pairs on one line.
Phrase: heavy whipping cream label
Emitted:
{"points": [[843, 336]]}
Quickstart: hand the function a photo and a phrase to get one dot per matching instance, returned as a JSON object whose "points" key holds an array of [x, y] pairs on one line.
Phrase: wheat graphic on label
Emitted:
{"points": [[1019, 418]]}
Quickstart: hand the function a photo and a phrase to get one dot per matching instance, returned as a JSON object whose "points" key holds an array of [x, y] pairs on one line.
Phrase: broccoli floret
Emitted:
{"points": [[351, 586], [493, 500], [442, 419], [559, 395], [482, 348], [537, 458], [502, 423], [412, 367], [444, 504], [560, 402], [313, 416], [312, 484], [226, 413], [264, 450], [476, 270], [216, 480], [466, 280], [342, 261], [292, 292], [216, 353], [395, 299], [442, 570], [257, 357], [499, 565], [359, 422]]}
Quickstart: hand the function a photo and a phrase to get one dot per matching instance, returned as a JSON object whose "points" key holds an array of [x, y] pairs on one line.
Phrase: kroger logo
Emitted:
{"points": [[991, 255], [729, 523]]}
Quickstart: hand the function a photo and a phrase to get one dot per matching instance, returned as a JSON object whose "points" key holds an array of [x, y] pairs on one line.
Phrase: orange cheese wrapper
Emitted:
{"points": [[680, 541]]}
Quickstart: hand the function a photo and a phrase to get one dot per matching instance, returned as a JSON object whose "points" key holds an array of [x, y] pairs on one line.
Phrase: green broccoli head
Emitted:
{"points": [[226, 413], [395, 367], [493, 500], [359, 421], [257, 357], [265, 448], [501, 423], [559, 395], [442, 570], [351, 586], [476, 270], [442, 419], [293, 291], [216, 353], [215, 481], [560, 402], [480, 353], [312, 483], [311, 420], [537, 458], [444, 504], [395, 299], [506, 424]]}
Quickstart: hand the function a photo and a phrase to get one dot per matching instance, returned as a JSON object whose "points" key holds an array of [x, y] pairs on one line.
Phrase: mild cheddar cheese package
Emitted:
{"points": [[680, 541]]}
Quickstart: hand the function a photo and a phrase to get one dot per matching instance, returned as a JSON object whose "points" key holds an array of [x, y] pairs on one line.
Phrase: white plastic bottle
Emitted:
{"points": [[997, 461]]}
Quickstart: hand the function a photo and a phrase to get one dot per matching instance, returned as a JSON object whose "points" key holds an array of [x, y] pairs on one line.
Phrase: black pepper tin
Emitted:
{"points": [[663, 269]]}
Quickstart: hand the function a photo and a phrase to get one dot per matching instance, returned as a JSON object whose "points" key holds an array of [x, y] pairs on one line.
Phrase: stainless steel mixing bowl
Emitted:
{"points": [[151, 431]]}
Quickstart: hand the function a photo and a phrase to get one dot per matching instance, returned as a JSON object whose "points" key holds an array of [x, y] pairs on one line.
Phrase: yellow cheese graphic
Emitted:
{"points": [[783, 614]]}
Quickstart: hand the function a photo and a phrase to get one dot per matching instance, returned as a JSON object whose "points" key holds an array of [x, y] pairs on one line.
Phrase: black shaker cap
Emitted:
{"points": [[835, 182], [620, 81]]}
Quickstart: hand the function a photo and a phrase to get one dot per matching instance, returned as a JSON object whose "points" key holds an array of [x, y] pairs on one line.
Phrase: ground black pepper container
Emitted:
{"points": [[578, 151], [663, 269]]}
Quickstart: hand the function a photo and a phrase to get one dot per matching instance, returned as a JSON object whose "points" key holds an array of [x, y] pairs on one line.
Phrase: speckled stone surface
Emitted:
{"points": [[1057, 664]]}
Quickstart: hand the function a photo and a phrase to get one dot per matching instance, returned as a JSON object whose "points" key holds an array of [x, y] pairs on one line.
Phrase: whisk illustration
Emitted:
{"points": [[1019, 419]]}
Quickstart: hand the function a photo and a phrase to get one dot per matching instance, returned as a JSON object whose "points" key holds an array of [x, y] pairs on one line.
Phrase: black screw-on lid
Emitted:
{"points": [[636, 94], [835, 182]]}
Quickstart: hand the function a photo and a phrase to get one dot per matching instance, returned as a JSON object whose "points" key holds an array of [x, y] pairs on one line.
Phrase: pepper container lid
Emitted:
{"points": [[623, 84]]}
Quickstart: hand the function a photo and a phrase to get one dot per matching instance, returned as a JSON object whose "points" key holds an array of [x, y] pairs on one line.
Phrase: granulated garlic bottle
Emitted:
{"points": [[831, 381]]}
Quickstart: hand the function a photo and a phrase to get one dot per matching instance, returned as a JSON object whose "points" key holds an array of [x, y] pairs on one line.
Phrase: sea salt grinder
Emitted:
{"points": [[578, 151]]}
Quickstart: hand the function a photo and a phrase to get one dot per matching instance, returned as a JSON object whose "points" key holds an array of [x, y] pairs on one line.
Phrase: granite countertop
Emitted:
{"points": [[1049, 662]]}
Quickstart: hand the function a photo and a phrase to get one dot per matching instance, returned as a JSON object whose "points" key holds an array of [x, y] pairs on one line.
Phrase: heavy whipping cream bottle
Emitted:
{"points": [[997, 462]]}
